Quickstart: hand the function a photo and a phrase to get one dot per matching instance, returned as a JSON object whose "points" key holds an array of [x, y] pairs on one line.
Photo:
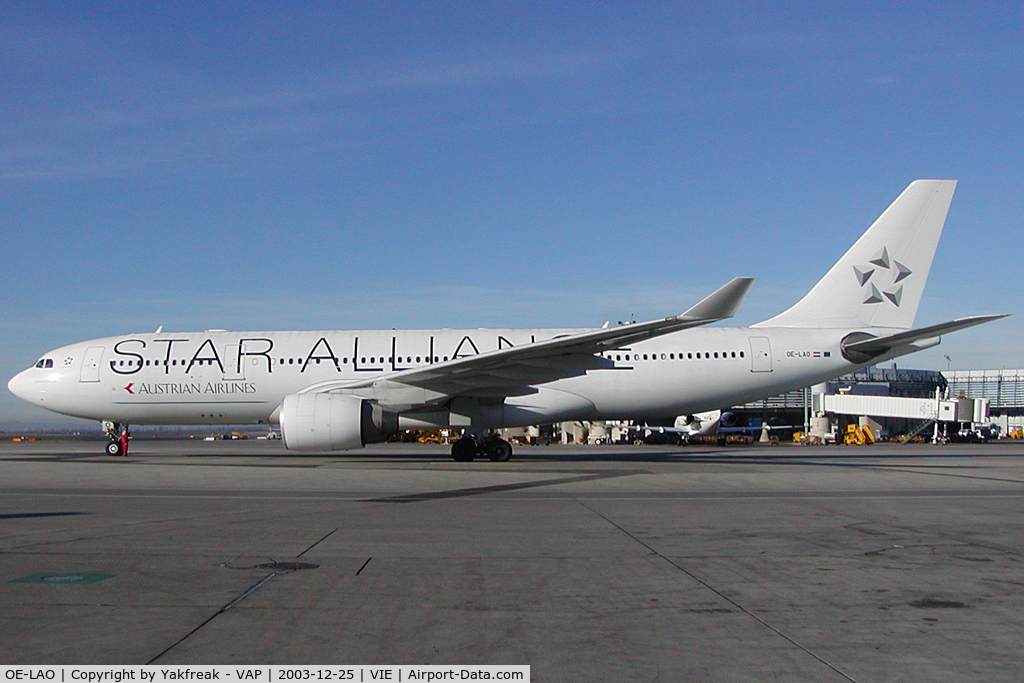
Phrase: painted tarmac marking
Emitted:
{"points": [[32, 515], [318, 542], [497, 488]]}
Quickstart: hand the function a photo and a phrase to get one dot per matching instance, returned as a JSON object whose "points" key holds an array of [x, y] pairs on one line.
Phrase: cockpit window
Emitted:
{"points": [[45, 363]]}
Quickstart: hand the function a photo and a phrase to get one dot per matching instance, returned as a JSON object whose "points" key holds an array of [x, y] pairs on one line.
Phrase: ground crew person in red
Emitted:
{"points": [[124, 440]]}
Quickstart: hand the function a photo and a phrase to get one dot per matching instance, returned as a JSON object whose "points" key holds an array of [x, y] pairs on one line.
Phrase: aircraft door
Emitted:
{"points": [[760, 354], [233, 367], [91, 364]]}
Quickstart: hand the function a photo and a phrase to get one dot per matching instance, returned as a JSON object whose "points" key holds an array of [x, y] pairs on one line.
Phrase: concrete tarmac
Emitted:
{"points": [[607, 563]]}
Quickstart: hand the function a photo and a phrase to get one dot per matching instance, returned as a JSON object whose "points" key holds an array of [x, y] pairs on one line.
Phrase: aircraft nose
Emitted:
{"points": [[19, 386], [23, 386]]}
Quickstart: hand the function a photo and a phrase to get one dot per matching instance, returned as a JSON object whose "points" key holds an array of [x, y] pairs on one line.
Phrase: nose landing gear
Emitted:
{"points": [[118, 436]]}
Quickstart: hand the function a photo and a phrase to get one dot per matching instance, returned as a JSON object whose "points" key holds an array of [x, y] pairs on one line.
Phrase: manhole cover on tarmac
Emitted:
{"points": [[288, 566]]}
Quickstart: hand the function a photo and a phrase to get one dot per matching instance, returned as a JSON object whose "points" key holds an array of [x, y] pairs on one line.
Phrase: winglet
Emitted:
{"points": [[723, 303]]}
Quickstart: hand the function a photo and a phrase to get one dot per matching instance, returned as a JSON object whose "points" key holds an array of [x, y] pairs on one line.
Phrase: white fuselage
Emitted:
{"points": [[221, 377]]}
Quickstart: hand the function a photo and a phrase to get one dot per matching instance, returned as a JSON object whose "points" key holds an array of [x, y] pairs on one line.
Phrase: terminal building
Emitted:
{"points": [[907, 401], [1004, 390], [893, 401]]}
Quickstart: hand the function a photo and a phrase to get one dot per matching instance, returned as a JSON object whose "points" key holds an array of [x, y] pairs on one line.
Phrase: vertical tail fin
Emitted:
{"points": [[880, 280]]}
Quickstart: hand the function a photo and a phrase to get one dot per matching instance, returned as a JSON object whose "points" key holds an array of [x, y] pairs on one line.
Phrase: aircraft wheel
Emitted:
{"points": [[464, 450], [114, 448], [499, 450]]}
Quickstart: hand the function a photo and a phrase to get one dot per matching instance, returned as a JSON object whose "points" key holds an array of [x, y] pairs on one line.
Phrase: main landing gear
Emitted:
{"points": [[474, 446], [118, 436]]}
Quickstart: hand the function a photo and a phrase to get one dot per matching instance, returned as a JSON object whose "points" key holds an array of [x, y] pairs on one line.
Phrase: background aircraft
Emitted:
{"points": [[715, 422]]}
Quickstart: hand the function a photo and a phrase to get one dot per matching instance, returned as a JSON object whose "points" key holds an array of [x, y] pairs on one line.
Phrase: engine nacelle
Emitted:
{"points": [[332, 422], [728, 420]]}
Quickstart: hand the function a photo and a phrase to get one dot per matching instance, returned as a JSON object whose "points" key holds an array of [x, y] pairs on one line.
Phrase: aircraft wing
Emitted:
{"points": [[512, 371], [862, 350]]}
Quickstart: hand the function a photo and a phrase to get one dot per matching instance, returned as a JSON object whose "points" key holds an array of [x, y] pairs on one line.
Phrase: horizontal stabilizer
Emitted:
{"points": [[860, 350]]}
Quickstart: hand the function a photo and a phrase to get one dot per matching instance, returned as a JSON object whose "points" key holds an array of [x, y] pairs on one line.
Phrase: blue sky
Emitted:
{"points": [[346, 165]]}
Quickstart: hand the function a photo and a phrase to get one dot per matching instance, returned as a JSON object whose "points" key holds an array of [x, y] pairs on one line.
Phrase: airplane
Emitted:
{"points": [[711, 423], [707, 423], [340, 390]]}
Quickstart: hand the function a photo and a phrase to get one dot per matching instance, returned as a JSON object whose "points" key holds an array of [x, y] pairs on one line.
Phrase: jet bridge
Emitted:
{"points": [[942, 410], [926, 411]]}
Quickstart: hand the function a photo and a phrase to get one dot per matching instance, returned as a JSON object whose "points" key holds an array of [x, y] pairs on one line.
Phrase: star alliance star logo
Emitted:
{"points": [[881, 262]]}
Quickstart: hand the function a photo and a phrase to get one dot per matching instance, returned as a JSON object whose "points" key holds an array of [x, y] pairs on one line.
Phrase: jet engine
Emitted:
{"points": [[728, 420], [332, 422]]}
